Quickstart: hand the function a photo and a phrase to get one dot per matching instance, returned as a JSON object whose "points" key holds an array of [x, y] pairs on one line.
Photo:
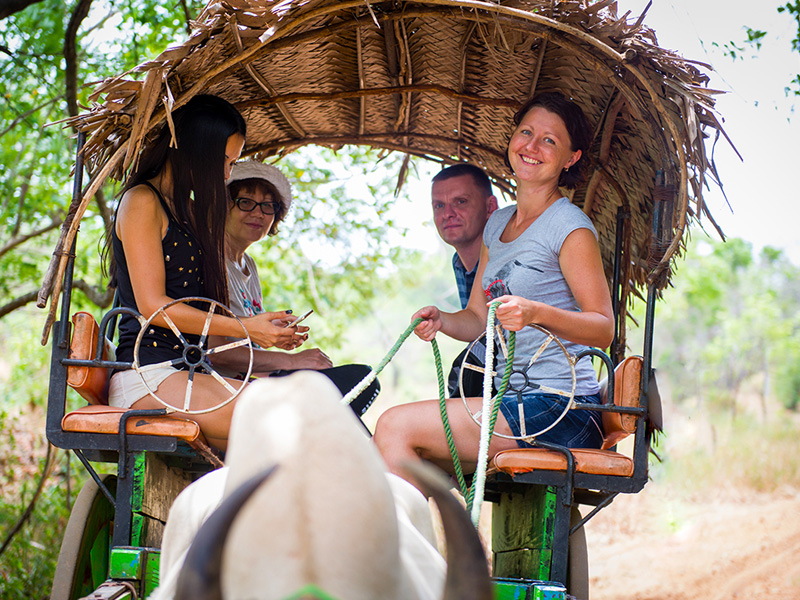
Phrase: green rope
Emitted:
{"points": [[375, 372], [448, 433], [469, 492]]}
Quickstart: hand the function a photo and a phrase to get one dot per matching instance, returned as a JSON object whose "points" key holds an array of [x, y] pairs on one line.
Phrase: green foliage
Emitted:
{"points": [[793, 9], [730, 316], [756, 38], [28, 563], [332, 253], [24, 362], [35, 186]]}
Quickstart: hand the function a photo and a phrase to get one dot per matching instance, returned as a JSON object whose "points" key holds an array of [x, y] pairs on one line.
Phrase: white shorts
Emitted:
{"points": [[127, 386]]}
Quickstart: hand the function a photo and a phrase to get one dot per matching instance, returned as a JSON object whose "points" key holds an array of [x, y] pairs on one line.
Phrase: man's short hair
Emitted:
{"points": [[478, 176]]}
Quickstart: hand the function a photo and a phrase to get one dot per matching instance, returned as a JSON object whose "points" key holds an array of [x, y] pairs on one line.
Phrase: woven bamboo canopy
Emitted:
{"points": [[439, 79]]}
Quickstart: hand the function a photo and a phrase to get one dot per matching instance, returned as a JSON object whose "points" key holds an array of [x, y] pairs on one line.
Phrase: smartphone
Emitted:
{"points": [[300, 318]]}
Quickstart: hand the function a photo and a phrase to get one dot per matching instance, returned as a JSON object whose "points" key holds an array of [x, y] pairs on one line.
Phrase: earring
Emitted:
{"points": [[566, 169]]}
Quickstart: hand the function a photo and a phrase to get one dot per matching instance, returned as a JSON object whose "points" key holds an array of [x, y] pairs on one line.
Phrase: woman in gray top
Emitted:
{"points": [[541, 260]]}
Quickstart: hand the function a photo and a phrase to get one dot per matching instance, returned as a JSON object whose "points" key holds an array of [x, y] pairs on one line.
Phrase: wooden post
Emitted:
{"points": [[523, 524], [156, 487]]}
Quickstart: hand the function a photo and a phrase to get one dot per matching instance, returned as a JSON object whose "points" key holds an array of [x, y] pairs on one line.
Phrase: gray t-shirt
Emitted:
{"points": [[529, 267]]}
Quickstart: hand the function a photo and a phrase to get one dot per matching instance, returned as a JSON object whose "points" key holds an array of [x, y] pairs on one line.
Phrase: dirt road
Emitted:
{"points": [[656, 547]]}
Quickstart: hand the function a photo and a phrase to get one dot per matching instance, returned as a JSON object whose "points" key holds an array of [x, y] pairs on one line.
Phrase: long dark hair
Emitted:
{"points": [[199, 196], [578, 128]]}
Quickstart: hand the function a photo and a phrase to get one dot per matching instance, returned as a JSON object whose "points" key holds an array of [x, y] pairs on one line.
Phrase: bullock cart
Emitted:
{"points": [[435, 79]]}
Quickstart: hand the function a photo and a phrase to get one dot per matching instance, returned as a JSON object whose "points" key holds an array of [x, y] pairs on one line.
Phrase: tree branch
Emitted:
{"points": [[187, 16], [9, 7], [18, 303], [21, 239], [102, 297], [79, 13], [28, 113]]}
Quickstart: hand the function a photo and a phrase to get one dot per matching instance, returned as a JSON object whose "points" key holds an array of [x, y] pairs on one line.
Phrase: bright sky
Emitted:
{"points": [[762, 190]]}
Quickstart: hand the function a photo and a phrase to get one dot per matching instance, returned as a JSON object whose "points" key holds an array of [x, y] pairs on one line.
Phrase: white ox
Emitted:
{"points": [[328, 518]]}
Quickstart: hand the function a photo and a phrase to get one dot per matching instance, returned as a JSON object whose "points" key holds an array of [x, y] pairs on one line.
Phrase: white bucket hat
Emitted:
{"points": [[251, 169]]}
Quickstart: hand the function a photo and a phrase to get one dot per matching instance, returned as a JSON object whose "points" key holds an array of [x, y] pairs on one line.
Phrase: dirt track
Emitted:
{"points": [[654, 547]]}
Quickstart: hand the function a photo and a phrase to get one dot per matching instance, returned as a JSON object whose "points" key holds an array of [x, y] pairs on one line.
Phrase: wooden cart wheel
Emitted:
{"points": [[194, 356], [500, 341], [578, 560], [83, 560]]}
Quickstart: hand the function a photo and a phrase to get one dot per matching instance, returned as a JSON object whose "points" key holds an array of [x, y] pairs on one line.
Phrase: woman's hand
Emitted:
{"points": [[430, 325], [266, 334], [515, 312], [312, 358]]}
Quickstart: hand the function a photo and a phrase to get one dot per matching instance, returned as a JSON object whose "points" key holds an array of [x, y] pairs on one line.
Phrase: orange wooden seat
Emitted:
{"points": [[92, 384], [105, 419], [616, 426]]}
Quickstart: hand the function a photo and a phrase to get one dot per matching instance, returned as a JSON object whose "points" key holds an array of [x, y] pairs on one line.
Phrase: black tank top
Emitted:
{"points": [[183, 265]]}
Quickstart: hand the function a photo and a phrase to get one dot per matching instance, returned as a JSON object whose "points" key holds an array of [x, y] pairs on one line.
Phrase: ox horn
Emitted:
{"points": [[467, 572], [200, 577]]}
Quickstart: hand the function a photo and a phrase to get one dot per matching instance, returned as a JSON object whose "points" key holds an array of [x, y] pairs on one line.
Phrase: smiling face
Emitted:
{"points": [[245, 228], [460, 210], [540, 148]]}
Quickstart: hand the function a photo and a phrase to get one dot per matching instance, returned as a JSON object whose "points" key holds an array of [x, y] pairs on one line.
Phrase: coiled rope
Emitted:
{"points": [[491, 406]]}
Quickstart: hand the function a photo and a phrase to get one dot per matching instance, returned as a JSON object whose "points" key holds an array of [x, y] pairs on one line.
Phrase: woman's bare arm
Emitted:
{"points": [[141, 225]]}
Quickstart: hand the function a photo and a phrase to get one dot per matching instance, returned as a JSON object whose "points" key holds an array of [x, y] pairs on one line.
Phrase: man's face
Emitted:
{"points": [[460, 210]]}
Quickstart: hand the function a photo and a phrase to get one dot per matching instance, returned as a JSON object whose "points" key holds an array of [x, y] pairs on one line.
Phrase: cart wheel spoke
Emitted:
{"points": [[207, 325], [549, 390], [194, 356], [173, 327], [501, 340], [220, 379], [541, 349], [226, 347], [471, 367], [187, 399], [161, 365]]}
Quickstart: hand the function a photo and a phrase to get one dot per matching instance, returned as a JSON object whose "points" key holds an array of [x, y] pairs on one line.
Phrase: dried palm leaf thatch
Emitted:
{"points": [[439, 79]]}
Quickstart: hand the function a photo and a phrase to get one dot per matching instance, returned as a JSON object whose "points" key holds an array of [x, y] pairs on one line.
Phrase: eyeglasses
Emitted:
{"points": [[248, 205]]}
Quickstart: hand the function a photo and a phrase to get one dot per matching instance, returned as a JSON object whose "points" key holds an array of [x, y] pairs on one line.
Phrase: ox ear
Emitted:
{"points": [[467, 571], [199, 578]]}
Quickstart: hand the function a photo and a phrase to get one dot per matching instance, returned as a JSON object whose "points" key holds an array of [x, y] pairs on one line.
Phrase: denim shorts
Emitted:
{"points": [[578, 428]]}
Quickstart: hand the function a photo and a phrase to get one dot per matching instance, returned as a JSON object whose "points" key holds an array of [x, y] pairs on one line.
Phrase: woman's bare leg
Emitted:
{"points": [[206, 392], [413, 432]]}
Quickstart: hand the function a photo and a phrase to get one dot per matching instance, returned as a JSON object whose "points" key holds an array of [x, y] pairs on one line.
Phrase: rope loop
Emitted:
{"points": [[491, 405]]}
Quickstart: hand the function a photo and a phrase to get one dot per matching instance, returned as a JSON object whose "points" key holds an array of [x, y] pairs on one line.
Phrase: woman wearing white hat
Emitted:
{"points": [[260, 199]]}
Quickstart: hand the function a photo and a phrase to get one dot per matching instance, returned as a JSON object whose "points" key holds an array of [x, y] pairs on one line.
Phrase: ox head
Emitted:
{"points": [[325, 518]]}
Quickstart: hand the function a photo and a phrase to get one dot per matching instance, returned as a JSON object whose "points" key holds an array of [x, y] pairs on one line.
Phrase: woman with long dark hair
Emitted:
{"points": [[167, 243]]}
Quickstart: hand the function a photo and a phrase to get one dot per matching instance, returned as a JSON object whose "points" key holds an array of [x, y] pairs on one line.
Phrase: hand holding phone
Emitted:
{"points": [[300, 318]]}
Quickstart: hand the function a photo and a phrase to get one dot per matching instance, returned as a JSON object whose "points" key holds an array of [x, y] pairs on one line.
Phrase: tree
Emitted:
{"points": [[731, 315], [49, 52], [756, 38]]}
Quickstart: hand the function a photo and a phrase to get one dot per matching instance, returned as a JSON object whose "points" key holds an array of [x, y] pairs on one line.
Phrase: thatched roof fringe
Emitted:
{"points": [[439, 79]]}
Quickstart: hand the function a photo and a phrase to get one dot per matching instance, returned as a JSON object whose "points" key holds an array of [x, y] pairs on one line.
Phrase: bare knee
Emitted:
{"points": [[394, 437], [390, 429]]}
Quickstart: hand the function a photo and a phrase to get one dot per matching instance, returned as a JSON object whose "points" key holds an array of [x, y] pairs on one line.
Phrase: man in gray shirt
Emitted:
{"points": [[462, 201]]}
